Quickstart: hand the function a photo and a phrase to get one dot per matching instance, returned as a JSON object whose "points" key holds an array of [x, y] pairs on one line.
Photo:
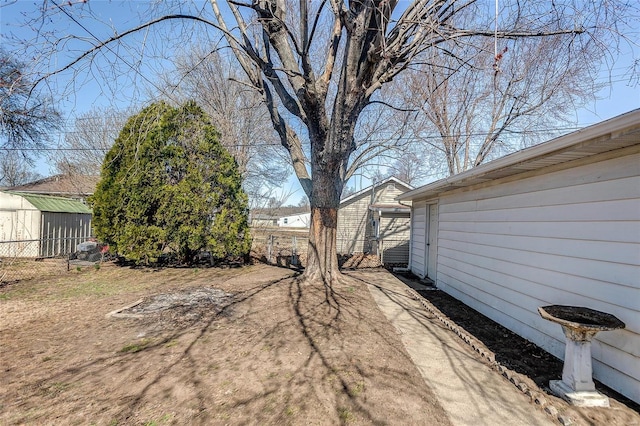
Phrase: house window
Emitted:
{"points": [[392, 186], [286, 220]]}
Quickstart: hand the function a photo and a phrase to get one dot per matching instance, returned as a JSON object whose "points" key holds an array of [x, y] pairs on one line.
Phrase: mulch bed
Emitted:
{"points": [[511, 350]]}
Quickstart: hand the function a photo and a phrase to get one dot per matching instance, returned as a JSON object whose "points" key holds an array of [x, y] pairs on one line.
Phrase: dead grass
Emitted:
{"points": [[278, 352]]}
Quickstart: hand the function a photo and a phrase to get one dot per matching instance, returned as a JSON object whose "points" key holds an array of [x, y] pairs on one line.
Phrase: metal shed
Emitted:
{"points": [[41, 226]]}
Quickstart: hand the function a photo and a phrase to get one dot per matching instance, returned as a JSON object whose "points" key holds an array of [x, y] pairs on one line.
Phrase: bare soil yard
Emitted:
{"points": [[122, 346], [206, 346]]}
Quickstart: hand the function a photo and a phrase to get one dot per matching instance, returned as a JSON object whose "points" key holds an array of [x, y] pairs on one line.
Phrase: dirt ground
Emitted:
{"points": [[122, 346], [205, 346]]}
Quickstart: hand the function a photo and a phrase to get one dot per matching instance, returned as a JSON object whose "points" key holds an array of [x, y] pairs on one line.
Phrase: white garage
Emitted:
{"points": [[557, 223], [41, 226]]}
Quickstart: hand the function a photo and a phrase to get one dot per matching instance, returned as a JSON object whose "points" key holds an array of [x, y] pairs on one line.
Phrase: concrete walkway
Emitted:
{"points": [[470, 392]]}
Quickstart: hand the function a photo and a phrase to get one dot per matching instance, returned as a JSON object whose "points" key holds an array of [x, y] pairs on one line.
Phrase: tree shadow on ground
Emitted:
{"points": [[510, 350], [276, 353]]}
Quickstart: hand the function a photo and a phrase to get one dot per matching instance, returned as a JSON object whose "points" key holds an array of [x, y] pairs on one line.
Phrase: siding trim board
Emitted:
{"points": [[558, 223]]}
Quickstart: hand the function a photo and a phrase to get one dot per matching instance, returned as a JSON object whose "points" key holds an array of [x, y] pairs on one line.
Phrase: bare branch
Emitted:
{"points": [[117, 37]]}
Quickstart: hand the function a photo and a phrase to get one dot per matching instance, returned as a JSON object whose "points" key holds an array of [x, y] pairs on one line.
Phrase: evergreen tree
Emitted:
{"points": [[168, 185]]}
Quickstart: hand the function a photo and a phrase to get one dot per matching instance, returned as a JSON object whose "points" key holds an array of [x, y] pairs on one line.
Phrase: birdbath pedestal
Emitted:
{"points": [[579, 325]]}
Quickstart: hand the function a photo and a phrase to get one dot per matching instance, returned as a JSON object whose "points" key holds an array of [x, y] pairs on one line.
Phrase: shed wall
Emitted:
{"points": [[569, 237], [62, 232], [355, 228], [25, 231], [394, 238], [19, 227]]}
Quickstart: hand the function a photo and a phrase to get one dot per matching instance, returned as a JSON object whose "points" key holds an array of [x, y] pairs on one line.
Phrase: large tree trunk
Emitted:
{"points": [[322, 257]]}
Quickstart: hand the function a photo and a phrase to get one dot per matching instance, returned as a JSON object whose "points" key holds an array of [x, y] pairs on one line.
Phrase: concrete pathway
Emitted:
{"points": [[468, 389]]}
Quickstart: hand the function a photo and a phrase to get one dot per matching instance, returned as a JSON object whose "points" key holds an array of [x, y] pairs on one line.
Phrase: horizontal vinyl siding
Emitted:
{"points": [[394, 239], [395, 228], [570, 237], [387, 194], [355, 230], [353, 226]]}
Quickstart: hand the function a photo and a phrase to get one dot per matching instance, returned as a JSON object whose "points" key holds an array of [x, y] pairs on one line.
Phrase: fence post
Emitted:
{"points": [[269, 248], [294, 260]]}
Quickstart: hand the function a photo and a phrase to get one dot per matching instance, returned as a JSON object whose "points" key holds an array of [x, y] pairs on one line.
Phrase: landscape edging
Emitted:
{"points": [[535, 395]]}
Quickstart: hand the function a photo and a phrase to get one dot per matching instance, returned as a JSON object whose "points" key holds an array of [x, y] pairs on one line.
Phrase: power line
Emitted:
{"points": [[405, 139]]}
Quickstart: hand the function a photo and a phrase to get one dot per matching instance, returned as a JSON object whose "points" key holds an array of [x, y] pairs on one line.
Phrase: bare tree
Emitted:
{"points": [[409, 168], [27, 118], [477, 105], [319, 65], [85, 146], [327, 82], [304, 202], [15, 170]]}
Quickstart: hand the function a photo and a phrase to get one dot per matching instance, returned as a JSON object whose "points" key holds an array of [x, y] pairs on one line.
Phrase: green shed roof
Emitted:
{"points": [[47, 203]]}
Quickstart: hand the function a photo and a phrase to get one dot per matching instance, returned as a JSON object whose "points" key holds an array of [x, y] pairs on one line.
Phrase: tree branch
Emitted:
{"points": [[265, 65], [290, 141], [124, 34]]}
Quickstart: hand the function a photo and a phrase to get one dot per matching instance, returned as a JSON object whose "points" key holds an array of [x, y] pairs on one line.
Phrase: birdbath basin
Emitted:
{"points": [[579, 325]]}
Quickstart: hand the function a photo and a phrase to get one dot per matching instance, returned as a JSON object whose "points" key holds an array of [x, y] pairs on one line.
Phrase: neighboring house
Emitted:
{"points": [[290, 217], [299, 220], [372, 221], [557, 223], [41, 226], [77, 187], [258, 220]]}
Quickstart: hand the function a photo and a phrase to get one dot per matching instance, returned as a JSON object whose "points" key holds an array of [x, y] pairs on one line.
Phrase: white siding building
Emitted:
{"points": [[557, 223], [41, 226], [299, 220]]}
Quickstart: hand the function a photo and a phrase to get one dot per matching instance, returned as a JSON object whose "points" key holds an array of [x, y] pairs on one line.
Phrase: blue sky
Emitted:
{"points": [[621, 96]]}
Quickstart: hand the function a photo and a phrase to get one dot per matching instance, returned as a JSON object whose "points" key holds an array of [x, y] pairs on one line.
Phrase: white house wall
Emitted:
{"points": [[568, 237], [295, 221]]}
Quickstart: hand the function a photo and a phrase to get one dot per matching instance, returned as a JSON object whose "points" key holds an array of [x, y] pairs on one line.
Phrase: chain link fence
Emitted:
{"points": [[287, 248], [29, 259]]}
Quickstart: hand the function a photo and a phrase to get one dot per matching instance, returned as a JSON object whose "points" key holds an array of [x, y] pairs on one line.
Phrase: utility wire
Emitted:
{"points": [[405, 139]]}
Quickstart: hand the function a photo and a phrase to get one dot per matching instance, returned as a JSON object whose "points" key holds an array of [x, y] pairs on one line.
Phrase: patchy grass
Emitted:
{"points": [[135, 347], [345, 415], [278, 354]]}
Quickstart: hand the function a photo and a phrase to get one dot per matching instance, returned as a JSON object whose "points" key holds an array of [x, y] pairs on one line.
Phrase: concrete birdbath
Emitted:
{"points": [[579, 325]]}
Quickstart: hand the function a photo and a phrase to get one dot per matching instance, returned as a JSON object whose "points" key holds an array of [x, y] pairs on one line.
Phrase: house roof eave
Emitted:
{"points": [[375, 185], [616, 133]]}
